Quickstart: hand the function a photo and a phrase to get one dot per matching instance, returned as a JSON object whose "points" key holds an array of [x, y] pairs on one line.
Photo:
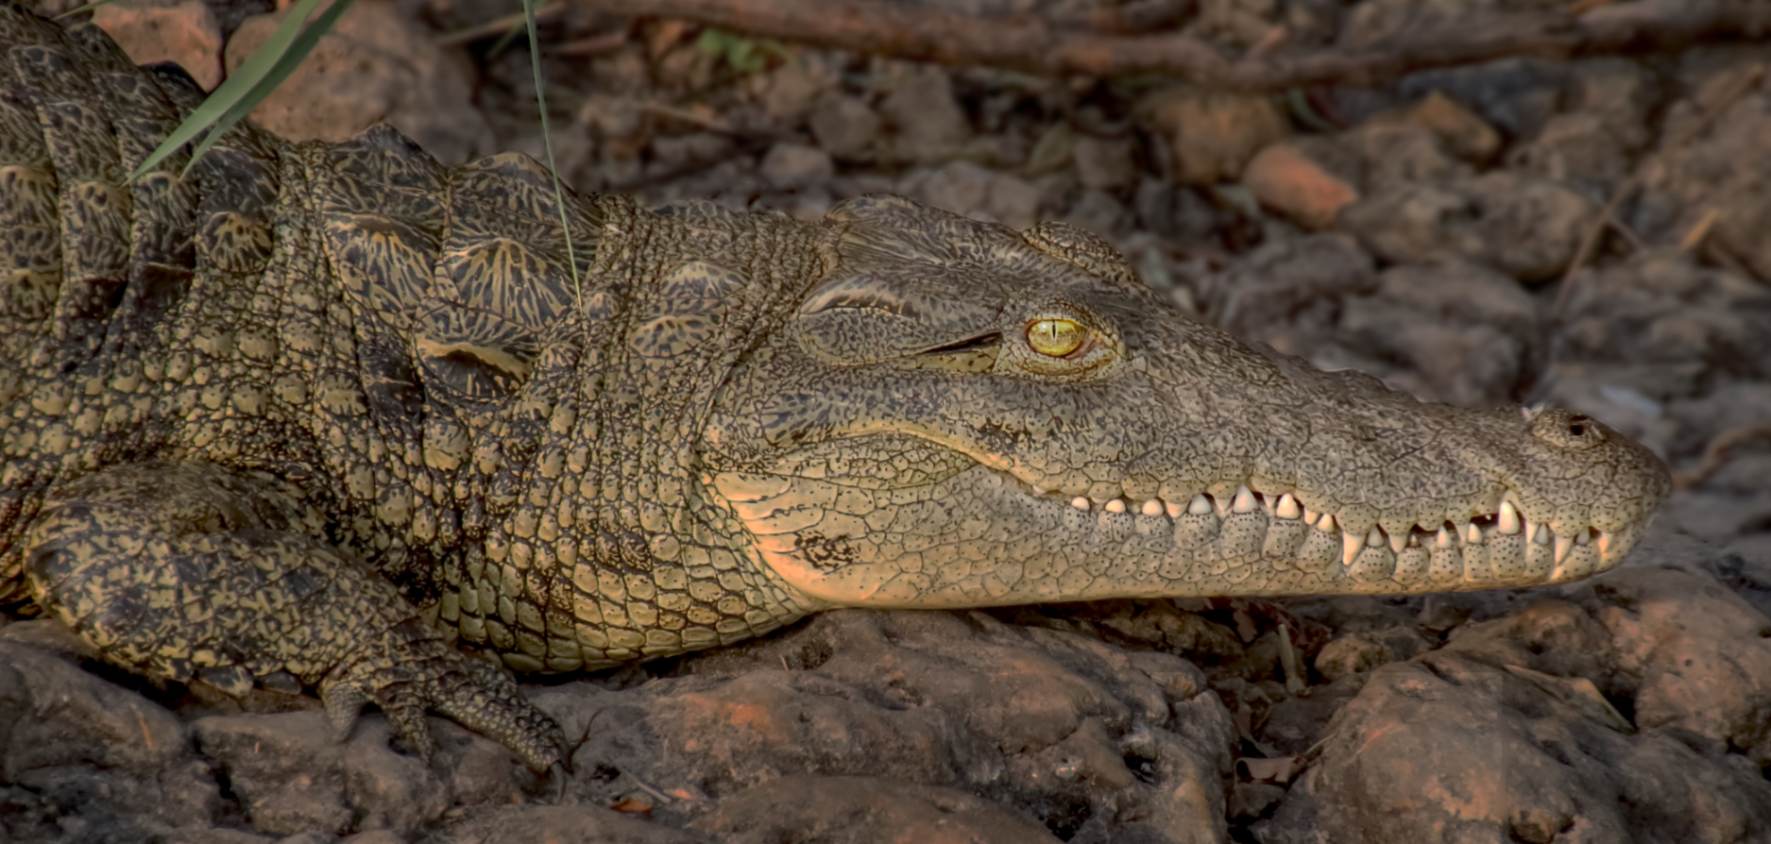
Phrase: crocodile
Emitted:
{"points": [[336, 418]]}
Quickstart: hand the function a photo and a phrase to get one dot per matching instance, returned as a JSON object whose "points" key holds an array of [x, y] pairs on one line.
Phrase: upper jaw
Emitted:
{"points": [[1488, 473]]}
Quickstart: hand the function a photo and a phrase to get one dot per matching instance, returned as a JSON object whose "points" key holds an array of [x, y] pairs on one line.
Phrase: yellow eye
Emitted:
{"points": [[1056, 337]]}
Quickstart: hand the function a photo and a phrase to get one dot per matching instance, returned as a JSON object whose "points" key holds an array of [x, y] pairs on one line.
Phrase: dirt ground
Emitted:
{"points": [[1590, 234]]}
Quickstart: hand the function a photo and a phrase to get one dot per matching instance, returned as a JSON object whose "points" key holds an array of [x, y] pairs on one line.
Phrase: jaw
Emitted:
{"points": [[986, 529]]}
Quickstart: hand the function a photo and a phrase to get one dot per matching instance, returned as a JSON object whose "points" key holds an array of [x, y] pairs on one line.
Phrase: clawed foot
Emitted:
{"points": [[416, 672]]}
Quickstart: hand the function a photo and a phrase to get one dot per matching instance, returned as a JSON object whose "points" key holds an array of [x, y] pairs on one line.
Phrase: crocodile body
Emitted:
{"points": [[328, 416]]}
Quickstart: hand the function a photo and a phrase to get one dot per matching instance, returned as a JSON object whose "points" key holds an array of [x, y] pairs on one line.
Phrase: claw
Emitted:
{"points": [[556, 773], [406, 713], [343, 702]]}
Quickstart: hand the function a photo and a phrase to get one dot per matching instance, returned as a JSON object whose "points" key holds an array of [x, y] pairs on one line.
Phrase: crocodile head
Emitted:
{"points": [[960, 414]]}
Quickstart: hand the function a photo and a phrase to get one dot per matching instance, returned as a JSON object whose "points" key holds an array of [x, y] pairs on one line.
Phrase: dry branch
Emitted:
{"points": [[1093, 47]]}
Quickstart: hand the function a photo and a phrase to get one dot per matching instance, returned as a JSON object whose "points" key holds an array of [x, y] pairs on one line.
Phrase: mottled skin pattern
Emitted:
{"points": [[338, 417]]}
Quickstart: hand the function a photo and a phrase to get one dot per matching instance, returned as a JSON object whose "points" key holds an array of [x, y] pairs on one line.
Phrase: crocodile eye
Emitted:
{"points": [[1056, 337]]}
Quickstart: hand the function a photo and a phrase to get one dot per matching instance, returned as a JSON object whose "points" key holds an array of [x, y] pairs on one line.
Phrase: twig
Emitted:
{"points": [[1699, 231], [1589, 241], [1288, 660], [1136, 16], [1715, 455], [714, 124], [1033, 44], [594, 45], [498, 26]]}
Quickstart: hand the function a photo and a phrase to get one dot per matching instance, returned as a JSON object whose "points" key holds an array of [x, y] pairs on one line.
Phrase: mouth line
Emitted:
{"points": [[1505, 520]]}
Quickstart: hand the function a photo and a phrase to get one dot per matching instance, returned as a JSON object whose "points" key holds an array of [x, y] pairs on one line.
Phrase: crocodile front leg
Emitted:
{"points": [[192, 571]]}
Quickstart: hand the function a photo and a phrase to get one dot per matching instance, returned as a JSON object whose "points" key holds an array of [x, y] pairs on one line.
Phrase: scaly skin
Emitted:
{"points": [[310, 412]]}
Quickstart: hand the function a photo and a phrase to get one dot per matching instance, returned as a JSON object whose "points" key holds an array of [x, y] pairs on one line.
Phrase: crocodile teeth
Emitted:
{"points": [[1245, 501], [1443, 538], [1199, 506], [1472, 534], [1508, 518], [1539, 534], [1310, 516], [1326, 523], [1287, 508], [1399, 541], [1174, 510], [1563, 546], [1116, 506], [1079, 503], [1584, 537], [1153, 507], [1604, 543], [1375, 537], [1350, 546]]}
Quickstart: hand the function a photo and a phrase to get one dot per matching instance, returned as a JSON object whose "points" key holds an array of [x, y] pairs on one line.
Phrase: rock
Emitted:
{"points": [[1397, 153], [1462, 331], [1596, 141], [844, 125], [1097, 211], [1462, 131], [1252, 799], [1308, 179], [292, 777], [1694, 314], [796, 165], [1046, 721], [1211, 134], [1744, 215], [958, 186], [223, 835], [864, 810], [184, 33], [928, 121], [1350, 654], [1697, 656], [1513, 95], [1466, 751], [1013, 200], [964, 187], [1458, 290], [1718, 516], [1522, 226], [375, 64], [376, 836], [1719, 171], [788, 93], [316, 838], [562, 825], [1105, 163], [1510, 730], [1268, 288], [81, 758]]}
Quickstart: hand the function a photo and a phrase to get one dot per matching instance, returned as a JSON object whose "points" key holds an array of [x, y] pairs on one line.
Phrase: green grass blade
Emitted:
{"points": [[285, 66], [559, 191], [86, 8], [240, 84]]}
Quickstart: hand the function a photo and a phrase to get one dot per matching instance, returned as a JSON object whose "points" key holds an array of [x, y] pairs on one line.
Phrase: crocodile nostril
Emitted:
{"points": [[1577, 429]]}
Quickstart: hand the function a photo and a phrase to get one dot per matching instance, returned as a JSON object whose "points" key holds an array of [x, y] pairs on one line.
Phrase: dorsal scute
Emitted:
{"points": [[382, 221], [473, 356], [686, 310]]}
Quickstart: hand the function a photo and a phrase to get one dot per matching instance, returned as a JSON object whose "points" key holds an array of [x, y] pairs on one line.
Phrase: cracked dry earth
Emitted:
{"points": [[1416, 231]]}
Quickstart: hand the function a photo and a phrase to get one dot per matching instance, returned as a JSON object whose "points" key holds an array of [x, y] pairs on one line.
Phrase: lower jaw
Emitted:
{"points": [[1247, 554]]}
